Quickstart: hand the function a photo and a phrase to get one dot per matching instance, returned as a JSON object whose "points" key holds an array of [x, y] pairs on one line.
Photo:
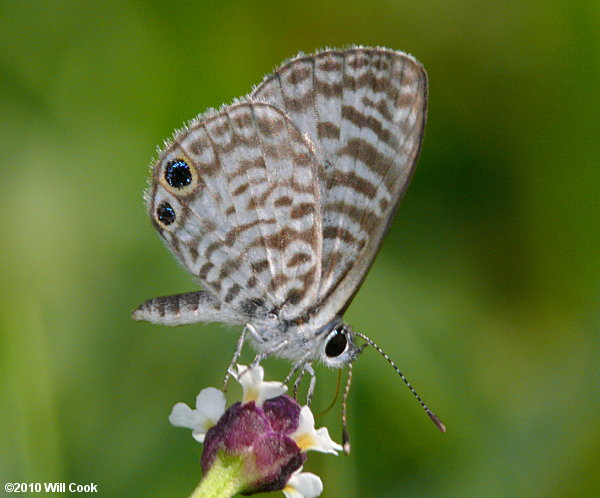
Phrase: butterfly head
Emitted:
{"points": [[337, 348]]}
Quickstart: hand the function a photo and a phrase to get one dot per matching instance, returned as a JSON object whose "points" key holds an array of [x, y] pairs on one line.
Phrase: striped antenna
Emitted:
{"points": [[434, 418], [345, 433]]}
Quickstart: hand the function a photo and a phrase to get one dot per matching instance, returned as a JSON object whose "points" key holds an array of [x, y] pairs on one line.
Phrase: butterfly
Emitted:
{"points": [[279, 203]]}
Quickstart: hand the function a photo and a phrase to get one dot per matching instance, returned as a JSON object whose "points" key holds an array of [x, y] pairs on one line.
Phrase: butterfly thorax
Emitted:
{"points": [[304, 341]]}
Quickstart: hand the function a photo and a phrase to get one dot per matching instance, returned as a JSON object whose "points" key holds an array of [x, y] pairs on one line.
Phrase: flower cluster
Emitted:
{"points": [[260, 443]]}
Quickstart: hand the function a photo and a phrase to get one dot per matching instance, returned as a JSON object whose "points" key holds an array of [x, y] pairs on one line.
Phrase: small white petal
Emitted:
{"points": [[306, 423], [182, 416], [253, 386], [210, 405], [303, 485], [211, 402], [324, 443], [199, 436], [307, 438]]}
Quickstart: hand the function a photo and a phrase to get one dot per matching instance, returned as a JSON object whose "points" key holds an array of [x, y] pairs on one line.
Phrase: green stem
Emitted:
{"points": [[223, 480]]}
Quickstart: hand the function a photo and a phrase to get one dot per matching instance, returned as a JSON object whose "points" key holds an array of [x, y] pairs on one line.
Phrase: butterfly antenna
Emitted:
{"points": [[438, 423], [345, 433]]}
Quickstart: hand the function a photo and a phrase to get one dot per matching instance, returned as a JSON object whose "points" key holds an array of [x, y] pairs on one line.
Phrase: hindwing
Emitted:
{"points": [[245, 221]]}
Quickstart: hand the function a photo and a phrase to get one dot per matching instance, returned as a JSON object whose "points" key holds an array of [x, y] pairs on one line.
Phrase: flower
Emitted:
{"points": [[307, 438], [266, 436], [303, 485], [210, 405], [253, 386]]}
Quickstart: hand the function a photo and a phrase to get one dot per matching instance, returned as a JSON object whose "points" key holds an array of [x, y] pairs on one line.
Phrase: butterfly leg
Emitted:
{"points": [[261, 356], [236, 355], [265, 354], [254, 332], [313, 379], [306, 368], [238, 351], [297, 382], [297, 366]]}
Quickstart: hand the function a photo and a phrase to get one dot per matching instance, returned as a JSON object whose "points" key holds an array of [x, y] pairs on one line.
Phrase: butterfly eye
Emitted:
{"points": [[336, 344], [165, 213], [178, 173]]}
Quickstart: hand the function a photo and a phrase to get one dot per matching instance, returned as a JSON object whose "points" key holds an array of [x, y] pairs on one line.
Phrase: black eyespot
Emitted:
{"points": [[336, 344], [178, 174], [165, 213]]}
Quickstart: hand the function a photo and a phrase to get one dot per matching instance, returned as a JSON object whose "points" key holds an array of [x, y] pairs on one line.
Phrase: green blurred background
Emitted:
{"points": [[486, 292]]}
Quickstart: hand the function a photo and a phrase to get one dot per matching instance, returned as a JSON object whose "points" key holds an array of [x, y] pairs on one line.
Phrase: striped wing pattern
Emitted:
{"points": [[292, 189], [191, 307], [364, 110], [248, 225]]}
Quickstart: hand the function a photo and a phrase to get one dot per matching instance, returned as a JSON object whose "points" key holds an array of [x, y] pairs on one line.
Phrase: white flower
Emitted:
{"points": [[308, 438], [268, 467], [254, 388], [210, 405], [303, 485]]}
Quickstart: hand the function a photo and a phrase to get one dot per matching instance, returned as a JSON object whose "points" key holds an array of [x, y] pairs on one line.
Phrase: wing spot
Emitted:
{"points": [[246, 165], [283, 201], [380, 106], [282, 239], [277, 281], [250, 306], [206, 267], [228, 268], [338, 233], [298, 259], [302, 210], [212, 248], [329, 90], [294, 296], [193, 252], [260, 266], [233, 291], [302, 159], [216, 286], [298, 75], [359, 60], [365, 152], [354, 182], [326, 129], [329, 64], [241, 189], [221, 128], [298, 104], [196, 147], [242, 119], [357, 118], [270, 126], [377, 85]]}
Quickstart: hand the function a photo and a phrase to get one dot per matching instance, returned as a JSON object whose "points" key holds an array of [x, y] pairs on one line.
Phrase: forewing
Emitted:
{"points": [[246, 223], [364, 109]]}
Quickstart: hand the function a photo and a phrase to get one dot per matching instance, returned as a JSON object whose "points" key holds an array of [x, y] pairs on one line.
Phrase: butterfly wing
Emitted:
{"points": [[235, 196], [364, 110]]}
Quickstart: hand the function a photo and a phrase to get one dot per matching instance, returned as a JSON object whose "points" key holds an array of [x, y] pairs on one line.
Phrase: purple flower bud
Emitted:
{"points": [[283, 413], [260, 436], [257, 445]]}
